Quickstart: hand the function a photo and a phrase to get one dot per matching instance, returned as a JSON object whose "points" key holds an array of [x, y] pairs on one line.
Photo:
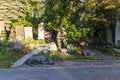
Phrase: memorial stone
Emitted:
{"points": [[19, 32], [41, 31], [2, 26], [117, 33], [28, 33], [12, 35]]}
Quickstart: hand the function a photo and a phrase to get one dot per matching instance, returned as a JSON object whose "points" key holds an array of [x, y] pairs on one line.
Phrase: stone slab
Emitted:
{"points": [[28, 32], [117, 33], [2, 26], [41, 32], [19, 32]]}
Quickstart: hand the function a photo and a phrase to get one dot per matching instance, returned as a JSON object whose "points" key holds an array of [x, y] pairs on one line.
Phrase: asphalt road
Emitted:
{"points": [[102, 72]]}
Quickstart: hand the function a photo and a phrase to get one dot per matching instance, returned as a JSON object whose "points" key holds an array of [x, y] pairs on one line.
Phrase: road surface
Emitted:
{"points": [[77, 72]]}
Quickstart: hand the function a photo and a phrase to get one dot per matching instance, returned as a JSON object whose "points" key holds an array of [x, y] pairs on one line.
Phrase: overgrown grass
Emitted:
{"points": [[110, 52], [7, 56], [6, 60], [32, 44], [31, 41]]}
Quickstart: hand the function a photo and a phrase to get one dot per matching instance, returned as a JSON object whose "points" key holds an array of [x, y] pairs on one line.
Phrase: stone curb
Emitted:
{"points": [[111, 61], [85, 63]]}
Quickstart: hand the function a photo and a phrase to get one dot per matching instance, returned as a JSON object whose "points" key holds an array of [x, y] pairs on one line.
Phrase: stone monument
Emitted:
{"points": [[41, 32], [2, 26], [19, 32], [117, 33], [61, 38], [28, 32], [12, 34], [0, 35]]}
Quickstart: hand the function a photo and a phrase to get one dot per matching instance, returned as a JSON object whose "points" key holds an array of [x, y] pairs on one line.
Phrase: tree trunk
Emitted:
{"points": [[109, 35], [54, 37]]}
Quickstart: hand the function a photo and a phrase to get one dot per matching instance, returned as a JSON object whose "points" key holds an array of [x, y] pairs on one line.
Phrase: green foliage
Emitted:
{"points": [[3, 35], [33, 41], [32, 44], [78, 18], [7, 56], [27, 19], [74, 34], [59, 13], [98, 14], [21, 22], [27, 16]]}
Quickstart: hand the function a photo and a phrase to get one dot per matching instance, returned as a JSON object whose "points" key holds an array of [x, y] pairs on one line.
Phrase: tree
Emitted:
{"points": [[32, 13], [101, 15], [63, 13]]}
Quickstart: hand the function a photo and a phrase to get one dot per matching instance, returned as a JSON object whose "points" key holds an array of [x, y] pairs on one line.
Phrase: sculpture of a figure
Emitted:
{"points": [[61, 38], [41, 25]]}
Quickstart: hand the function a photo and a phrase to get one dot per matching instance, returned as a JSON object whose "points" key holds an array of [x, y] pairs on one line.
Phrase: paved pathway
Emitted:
{"points": [[74, 72], [102, 56], [82, 63], [105, 57]]}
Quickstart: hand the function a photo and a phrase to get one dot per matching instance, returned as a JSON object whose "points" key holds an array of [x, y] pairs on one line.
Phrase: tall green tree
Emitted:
{"points": [[63, 13], [100, 15]]}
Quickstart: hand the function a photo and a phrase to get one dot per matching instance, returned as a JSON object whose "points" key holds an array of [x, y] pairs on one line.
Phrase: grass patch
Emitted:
{"points": [[6, 60], [7, 56], [31, 41], [108, 51], [65, 57], [32, 44]]}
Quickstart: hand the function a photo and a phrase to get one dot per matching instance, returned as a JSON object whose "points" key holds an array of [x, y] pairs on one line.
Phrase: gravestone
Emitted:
{"points": [[2, 26], [117, 33], [12, 35], [19, 32], [0, 32], [0, 35], [41, 35], [28, 32]]}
